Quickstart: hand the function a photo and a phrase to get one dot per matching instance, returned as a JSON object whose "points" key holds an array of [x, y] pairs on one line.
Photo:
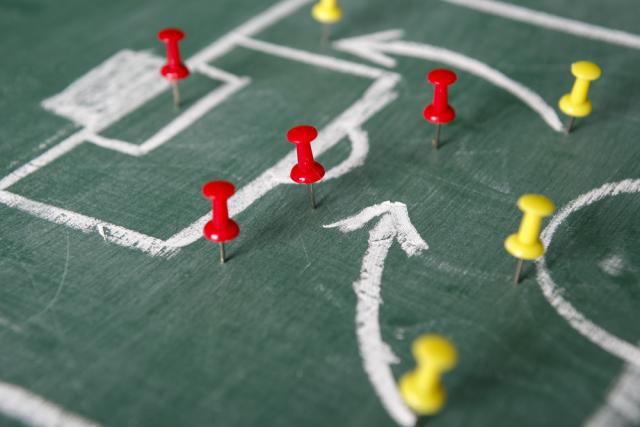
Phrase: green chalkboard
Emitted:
{"points": [[115, 312]]}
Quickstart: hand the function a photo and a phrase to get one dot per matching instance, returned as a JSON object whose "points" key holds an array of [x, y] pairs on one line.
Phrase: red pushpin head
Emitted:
{"points": [[307, 170], [439, 111], [221, 228], [174, 69], [170, 35]]}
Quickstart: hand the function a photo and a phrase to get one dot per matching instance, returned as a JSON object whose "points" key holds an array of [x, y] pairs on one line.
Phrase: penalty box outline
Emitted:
{"points": [[150, 86], [347, 124]]}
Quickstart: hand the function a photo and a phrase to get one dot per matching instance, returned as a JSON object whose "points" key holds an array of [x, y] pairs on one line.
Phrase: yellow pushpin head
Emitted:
{"points": [[421, 388], [576, 103], [526, 244], [536, 204], [586, 70], [434, 351], [326, 12]]}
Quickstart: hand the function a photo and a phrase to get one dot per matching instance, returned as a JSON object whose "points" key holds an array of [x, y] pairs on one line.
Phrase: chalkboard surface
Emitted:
{"points": [[115, 312]]}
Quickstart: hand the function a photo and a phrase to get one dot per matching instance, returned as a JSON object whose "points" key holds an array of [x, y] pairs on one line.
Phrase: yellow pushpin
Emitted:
{"points": [[421, 388], [526, 244], [576, 104], [326, 12]]}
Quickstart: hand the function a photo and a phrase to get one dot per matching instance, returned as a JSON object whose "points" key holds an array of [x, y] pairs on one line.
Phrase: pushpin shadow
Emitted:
{"points": [[314, 202], [228, 257], [423, 421], [437, 140], [181, 100]]}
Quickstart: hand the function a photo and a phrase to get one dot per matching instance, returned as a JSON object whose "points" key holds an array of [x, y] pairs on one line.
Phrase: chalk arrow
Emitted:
{"points": [[377, 356], [377, 47]]}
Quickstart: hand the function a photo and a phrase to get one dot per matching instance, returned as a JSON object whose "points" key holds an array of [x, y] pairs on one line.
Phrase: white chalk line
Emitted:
{"points": [[377, 356], [359, 150], [552, 22], [553, 293], [373, 47], [194, 113], [177, 125], [255, 25], [114, 144], [311, 58], [622, 404], [369, 46], [35, 411], [44, 159], [215, 73], [110, 232]]}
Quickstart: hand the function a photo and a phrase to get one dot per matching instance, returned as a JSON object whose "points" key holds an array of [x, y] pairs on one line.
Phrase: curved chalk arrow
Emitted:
{"points": [[394, 224], [374, 48], [33, 410]]}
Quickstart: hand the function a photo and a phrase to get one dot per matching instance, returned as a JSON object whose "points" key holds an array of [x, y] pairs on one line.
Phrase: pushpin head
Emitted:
{"points": [[174, 69], [586, 70], [170, 35], [442, 76], [302, 134], [307, 170], [536, 204], [326, 12], [435, 351], [439, 111], [221, 228], [218, 189]]}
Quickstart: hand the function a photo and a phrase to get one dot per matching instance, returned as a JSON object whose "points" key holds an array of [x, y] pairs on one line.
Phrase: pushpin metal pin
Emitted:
{"points": [[312, 197], [516, 277], [436, 138], [174, 70], [526, 244], [326, 35], [576, 103], [222, 258], [569, 125], [307, 170], [176, 93], [221, 228], [439, 112], [326, 12]]}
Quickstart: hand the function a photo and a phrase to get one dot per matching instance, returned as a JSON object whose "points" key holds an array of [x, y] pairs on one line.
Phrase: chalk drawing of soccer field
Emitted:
{"points": [[129, 79]]}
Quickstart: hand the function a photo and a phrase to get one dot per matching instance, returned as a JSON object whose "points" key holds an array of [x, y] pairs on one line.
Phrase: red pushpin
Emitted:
{"points": [[439, 111], [221, 228], [174, 69], [307, 170]]}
